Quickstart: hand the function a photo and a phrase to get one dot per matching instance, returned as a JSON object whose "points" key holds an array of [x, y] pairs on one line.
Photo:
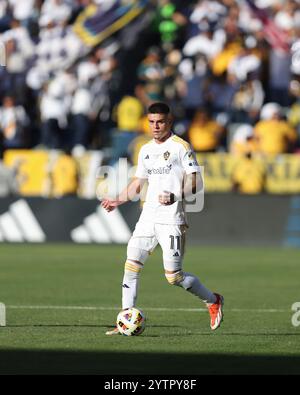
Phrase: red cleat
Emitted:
{"points": [[216, 313]]}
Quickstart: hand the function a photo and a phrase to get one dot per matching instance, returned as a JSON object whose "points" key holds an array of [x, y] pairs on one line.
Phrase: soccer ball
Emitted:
{"points": [[131, 322]]}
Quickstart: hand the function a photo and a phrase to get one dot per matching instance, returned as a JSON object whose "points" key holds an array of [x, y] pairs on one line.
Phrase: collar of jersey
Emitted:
{"points": [[162, 144]]}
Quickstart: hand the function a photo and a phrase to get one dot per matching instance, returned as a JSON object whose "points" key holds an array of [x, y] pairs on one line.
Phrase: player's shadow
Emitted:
{"points": [[82, 326], [35, 362], [57, 326], [164, 335]]}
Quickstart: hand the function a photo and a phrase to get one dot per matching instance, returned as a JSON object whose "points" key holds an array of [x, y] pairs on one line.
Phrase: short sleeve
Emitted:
{"points": [[141, 171], [189, 161]]}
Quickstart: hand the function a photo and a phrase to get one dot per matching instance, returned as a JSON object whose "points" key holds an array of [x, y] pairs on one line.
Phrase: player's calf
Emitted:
{"points": [[130, 283]]}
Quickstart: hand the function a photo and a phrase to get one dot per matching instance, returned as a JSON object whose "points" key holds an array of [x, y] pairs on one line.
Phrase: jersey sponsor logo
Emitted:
{"points": [[167, 155], [160, 170]]}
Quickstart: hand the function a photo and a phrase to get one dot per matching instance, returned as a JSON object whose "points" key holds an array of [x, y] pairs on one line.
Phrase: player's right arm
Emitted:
{"points": [[133, 188], [129, 193]]}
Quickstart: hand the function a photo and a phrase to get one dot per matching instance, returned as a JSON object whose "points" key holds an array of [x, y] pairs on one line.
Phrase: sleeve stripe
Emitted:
{"points": [[181, 141]]}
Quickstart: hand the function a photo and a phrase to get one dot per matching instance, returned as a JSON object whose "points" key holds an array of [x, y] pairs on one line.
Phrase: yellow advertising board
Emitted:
{"points": [[31, 169], [54, 174], [282, 173], [217, 171]]}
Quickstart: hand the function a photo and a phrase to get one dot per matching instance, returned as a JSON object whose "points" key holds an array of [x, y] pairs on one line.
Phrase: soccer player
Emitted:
{"points": [[169, 165]]}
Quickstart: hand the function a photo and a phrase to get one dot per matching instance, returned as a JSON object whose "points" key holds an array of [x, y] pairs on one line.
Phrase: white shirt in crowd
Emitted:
{"points": [[55, 103], [82, 102], [10, 119], [22, 9], [210, 47], [56, 10], [16, 61], [3, 8], [240, 66]]}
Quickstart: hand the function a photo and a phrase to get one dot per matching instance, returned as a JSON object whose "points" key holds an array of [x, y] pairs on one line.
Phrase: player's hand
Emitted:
{"points": [[109, 205], [166, 198]]}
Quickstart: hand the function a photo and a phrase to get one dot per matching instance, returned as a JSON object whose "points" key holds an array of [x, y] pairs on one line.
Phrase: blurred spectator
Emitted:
{"points": [[243, 140], [170, 71], [274, 135], [280, 60], [5, 17], [82, 104], [58, 10], [192, 84], [128, 114], [19, 50], [205, 134], [279, 77], [151, 76], [247, 101], [168, 21], [54, 108], [230, 50], [245, 62], [144, 126], [13, 124], [248, 175], [22, 10], [207, 10], [81, 122], [294, 112], [220, 93], [209, 43]]}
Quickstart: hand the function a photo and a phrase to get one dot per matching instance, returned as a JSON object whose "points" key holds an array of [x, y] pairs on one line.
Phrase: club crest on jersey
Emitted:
{"points": [[167, 155]]}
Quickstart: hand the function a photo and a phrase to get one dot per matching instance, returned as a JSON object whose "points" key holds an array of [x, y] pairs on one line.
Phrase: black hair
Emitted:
{"points": [[159, 108]]}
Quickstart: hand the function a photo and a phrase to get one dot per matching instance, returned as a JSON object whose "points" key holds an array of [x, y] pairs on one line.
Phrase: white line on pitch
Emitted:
{"points": [[104, 308]]}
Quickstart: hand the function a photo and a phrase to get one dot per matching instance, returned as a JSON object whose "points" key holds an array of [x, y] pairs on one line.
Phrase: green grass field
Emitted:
{"points": [[51, 329]]}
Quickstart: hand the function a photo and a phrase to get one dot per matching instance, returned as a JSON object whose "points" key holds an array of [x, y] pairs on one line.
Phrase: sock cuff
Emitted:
{"points": [[133, 266], [175, 278]]}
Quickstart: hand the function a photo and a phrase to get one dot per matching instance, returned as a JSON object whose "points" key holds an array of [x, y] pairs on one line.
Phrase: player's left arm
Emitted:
{"points": [[193, 184]]}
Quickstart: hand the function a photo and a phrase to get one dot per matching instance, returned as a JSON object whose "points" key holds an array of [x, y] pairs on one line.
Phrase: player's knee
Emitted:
{"points": [[175, 278], [137, 254]]}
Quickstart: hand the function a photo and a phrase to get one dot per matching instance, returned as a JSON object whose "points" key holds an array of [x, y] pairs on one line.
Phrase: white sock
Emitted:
{"points": [[130, 283], [192, 284]]}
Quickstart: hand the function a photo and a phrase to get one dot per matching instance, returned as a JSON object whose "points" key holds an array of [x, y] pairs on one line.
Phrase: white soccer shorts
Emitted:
{"points": [[147, 235]]}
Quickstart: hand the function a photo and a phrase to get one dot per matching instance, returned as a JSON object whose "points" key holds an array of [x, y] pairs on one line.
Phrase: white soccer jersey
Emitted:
{"points": [[164, 166]]}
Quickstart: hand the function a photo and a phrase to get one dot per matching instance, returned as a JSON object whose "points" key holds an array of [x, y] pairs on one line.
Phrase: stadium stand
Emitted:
{"points": [[79, 74]]}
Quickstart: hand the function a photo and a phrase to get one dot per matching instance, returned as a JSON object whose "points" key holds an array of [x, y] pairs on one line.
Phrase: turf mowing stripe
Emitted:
{"points": [[104, 308]]}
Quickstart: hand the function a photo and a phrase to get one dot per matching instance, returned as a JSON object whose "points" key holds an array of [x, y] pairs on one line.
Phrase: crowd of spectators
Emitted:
{"points": [[230, 74], [52, 90]]}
